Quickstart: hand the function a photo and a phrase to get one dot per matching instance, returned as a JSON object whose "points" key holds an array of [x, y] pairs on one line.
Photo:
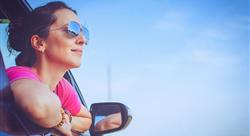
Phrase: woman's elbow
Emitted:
{"points": [[45, 110], [85, 125]]}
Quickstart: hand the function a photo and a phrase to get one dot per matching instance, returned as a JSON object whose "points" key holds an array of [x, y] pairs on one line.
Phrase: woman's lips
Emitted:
{"points": [[78, 51]]}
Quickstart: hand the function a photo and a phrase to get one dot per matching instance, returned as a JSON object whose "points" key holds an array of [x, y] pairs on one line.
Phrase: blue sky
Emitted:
{"points": [[181, 66]]}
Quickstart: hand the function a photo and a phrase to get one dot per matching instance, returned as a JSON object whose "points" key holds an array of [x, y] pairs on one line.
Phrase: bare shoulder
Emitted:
{"points": [[37, 101], [24, 86], [26, 91], [28, 83]]}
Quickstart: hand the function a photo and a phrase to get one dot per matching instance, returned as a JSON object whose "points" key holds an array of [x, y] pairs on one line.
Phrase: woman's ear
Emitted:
{"points": [[37, 43]]}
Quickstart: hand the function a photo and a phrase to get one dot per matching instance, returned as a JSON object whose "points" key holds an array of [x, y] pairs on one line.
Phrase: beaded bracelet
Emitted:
{"points": [[63, 118]]}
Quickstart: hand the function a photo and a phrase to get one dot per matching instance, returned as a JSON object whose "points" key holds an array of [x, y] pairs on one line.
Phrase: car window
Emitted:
{"points": [[9, 59]]}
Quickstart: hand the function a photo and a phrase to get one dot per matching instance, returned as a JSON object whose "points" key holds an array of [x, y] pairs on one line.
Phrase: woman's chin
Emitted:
{"points": [[76, 64], [73, 63]]}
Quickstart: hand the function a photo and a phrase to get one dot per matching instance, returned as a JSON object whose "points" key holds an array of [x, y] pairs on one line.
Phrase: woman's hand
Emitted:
{"points": [[65, 129], [82, 121]]}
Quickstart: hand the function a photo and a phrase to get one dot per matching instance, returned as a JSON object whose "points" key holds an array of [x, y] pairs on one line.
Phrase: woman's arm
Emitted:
{"points": [[82, 121], [37, 101], [43, 106], [40, 104]]}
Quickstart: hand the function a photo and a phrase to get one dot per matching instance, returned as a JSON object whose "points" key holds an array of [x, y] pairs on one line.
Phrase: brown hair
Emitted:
{"points": [[37, 22]]}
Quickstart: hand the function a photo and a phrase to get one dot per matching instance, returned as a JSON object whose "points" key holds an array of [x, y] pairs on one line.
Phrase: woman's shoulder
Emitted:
{"points": [[64, 88], [18, 68], [19, 72], [68, 96], [65, 84]]}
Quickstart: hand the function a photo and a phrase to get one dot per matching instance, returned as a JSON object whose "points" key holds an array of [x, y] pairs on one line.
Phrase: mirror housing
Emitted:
{"points": [[109, 117]]}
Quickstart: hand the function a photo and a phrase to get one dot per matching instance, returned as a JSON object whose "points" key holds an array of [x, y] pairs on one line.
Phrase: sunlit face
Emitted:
{"points": [[61, 49]]}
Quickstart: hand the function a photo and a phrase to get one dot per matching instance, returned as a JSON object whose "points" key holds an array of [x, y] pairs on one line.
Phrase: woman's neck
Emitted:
{"points": [[49, 74]]}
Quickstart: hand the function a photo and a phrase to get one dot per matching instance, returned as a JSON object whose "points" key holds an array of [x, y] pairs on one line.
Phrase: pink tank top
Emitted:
{"points": [[64, 89]]}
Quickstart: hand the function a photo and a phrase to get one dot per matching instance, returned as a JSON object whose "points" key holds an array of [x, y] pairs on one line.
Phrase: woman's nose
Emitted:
{"points": [[80, 40]]}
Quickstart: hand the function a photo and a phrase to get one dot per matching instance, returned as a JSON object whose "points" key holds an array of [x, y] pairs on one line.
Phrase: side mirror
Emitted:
{"points": [[109, 117]]}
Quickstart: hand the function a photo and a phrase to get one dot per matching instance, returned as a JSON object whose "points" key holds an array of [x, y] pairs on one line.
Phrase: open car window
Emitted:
{"points": [[9, 10], [9, 58]]}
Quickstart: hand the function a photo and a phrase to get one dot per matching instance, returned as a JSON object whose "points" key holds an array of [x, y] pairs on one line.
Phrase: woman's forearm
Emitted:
{"points": [[82, 121], [80, 124]]}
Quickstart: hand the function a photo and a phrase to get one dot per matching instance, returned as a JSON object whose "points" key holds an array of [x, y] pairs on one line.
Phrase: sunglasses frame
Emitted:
{"points": [[71, 32]]}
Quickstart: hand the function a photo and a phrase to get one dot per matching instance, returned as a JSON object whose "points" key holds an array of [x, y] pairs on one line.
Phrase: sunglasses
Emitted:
{"points": [[73, 29]]}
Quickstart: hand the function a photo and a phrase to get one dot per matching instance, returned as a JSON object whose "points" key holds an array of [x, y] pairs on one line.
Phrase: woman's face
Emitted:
{"points": [[61, 49]]}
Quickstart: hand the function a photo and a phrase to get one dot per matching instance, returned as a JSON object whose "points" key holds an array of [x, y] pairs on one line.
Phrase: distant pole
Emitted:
{"points": [[109, 83]]}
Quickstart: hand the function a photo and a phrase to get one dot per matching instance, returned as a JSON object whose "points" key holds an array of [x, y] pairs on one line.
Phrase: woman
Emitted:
{"points": [[51, 42]]}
